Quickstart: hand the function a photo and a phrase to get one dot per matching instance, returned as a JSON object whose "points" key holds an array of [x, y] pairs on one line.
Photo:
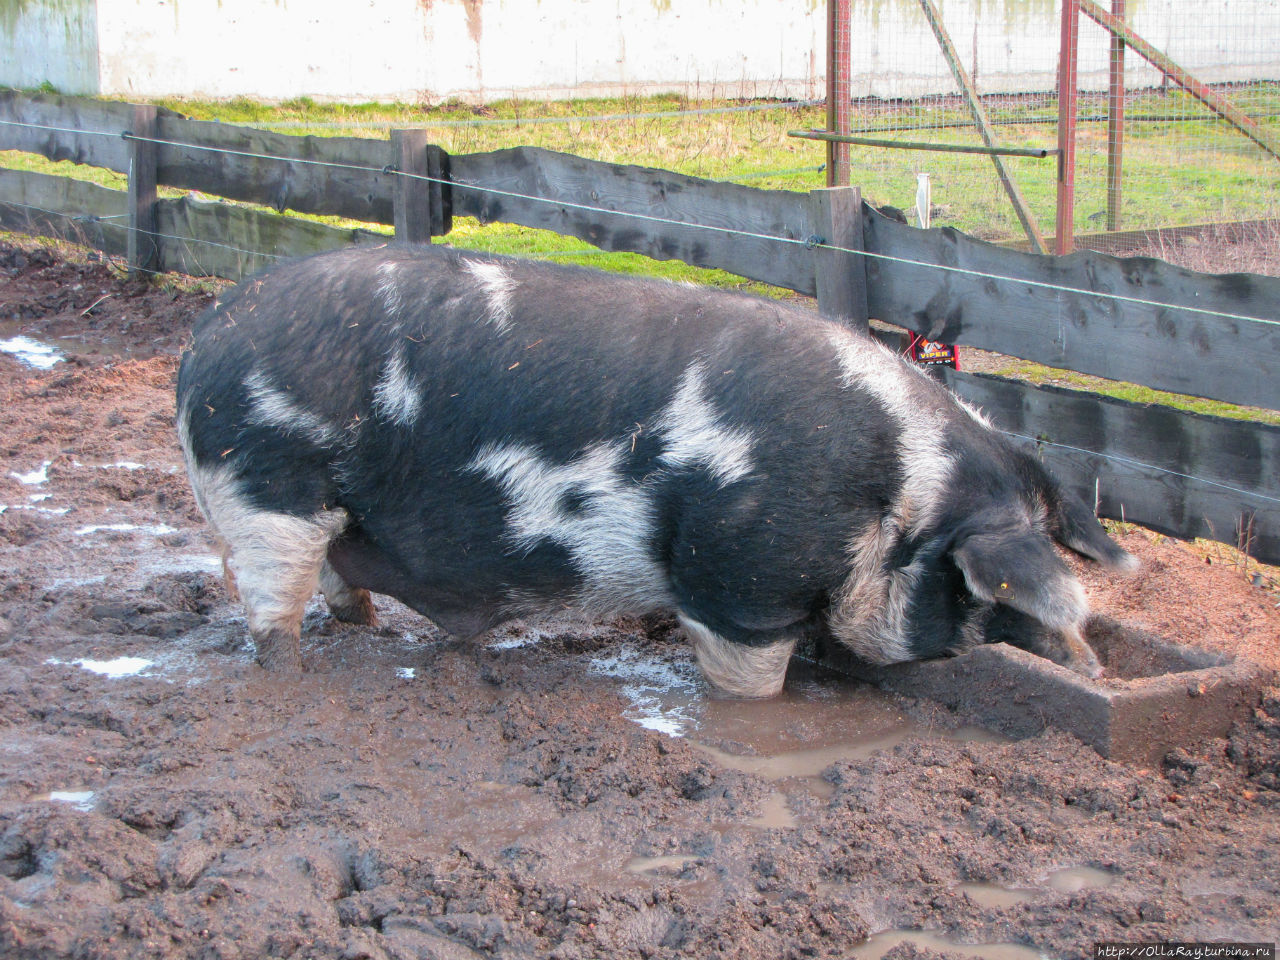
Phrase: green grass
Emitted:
{"points": [[1035, 373]]}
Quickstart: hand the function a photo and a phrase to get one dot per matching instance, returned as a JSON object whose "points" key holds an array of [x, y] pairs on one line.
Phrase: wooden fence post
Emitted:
{"points": [[421, 208], [840, 278], [142, 247]]}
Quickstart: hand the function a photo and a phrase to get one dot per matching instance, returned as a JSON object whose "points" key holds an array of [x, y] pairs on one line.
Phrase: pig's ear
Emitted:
{"points": [[1074, 526], [1019, 567]]}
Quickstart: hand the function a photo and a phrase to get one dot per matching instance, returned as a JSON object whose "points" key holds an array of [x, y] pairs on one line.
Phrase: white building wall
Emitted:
{"points": [[49, 41], [477, 50]]}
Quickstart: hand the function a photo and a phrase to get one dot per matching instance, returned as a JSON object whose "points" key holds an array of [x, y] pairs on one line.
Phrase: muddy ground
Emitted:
{"points": [[565, 790]]}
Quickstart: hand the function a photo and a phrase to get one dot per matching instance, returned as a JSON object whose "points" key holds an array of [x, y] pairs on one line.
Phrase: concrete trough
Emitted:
{"points": [[1155, 696]]}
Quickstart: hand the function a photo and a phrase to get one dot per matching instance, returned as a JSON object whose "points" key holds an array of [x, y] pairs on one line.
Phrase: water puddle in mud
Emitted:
{"points": [[43, 354], [31, 352], [33, 477], [819, 719], [881, 943], [149, 529], [80, 799], [112, 669], [673, 862], [1068, 880]]}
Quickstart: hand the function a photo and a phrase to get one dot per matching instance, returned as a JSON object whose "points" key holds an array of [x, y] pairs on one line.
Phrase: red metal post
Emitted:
{"points": [[1067, 90], [839, 65], [1115, 122]]}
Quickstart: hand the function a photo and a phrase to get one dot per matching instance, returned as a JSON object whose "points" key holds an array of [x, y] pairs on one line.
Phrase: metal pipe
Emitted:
{"points": [[1037, 152]]}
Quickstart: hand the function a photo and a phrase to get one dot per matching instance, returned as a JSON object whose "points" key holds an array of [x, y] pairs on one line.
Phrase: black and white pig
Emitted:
{"points": [[482, 437]]}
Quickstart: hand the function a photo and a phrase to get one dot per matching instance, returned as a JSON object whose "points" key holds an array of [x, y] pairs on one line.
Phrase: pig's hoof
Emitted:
{"points": [[278, 651], [735, 669], [358, 609]]}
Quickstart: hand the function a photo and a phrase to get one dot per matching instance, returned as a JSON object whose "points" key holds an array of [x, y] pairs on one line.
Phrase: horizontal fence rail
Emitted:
{"points": [[1137, 319]]}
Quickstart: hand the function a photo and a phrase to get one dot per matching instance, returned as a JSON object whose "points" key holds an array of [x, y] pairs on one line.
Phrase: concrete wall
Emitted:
{"points": [[49, 41], [489, 49]]}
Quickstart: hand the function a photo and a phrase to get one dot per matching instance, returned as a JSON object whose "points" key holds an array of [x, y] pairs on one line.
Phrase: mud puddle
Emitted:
{"points": [[45, 353], [880, 944], [1067, 880], [820, 718]]}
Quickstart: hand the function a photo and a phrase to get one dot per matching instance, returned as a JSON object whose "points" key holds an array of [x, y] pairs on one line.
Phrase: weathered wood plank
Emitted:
{"points": [[235, 242], [581, 195], [1158, 343], [1185, 474], [74, 210], [66, 128], [337, 176]]}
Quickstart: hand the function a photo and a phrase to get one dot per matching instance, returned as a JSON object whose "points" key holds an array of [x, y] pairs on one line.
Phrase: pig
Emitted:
{"points": [[483, 437]]}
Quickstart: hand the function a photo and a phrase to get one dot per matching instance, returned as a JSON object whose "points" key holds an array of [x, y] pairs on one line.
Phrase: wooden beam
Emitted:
{"points": [[1201, 91], [840, 277], [74, 210], [1185, 474], [657, 212], [1038, 153], [950, 287], [839, 101], [337, 176], [980, 119], [236, 242], [77, 129], [143, 252]]}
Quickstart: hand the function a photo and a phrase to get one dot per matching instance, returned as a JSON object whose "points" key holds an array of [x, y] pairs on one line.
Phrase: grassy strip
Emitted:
{"points": [[1029, 372]]}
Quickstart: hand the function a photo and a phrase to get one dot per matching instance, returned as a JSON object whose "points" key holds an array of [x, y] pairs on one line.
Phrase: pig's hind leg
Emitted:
{"points": [[274, 558], [347, 603]]}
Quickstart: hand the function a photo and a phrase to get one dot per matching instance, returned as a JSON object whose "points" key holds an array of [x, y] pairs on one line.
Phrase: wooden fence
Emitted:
{"points": [[1138, 320]]}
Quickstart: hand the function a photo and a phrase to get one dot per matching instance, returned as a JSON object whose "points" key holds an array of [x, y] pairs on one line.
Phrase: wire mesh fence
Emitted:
{"points": [[1177, 159]]}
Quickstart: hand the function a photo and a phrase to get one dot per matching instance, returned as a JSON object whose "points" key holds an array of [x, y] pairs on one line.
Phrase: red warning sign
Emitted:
{"points": [[930, 353]]}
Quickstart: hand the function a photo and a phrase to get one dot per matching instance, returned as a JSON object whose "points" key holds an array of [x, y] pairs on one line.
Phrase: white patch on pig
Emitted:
{"points": [[273, 407], [497, 285], [389, 290], [395, 394], [607, 536], [272, 559], [696, 436], [870, 366], [869, 613], [975, 412], [736, 668]]}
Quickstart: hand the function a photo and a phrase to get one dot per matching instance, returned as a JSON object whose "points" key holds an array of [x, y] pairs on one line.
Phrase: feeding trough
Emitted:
{"points": [[1156, 695]]}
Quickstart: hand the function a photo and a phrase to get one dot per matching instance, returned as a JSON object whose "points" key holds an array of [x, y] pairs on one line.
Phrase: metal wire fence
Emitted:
{"points": [[1176, 159]]}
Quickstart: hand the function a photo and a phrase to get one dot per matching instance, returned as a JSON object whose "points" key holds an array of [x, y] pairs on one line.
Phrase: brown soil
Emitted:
{"points": [[499, 802]]}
